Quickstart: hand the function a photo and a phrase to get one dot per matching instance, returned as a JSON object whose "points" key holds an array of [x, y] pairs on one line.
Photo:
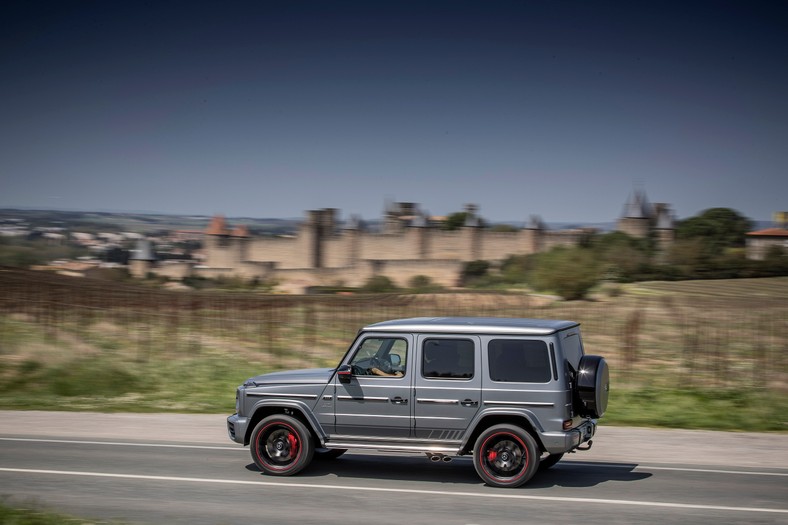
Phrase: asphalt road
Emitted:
{"points": [[182, 469]]}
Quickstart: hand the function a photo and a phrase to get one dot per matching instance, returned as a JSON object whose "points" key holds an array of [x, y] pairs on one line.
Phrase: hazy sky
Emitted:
{"points": [[266, 109]]}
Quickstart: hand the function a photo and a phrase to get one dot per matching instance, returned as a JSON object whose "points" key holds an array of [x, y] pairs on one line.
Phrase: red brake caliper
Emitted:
{"points": [[491, 455], [293, 443]]}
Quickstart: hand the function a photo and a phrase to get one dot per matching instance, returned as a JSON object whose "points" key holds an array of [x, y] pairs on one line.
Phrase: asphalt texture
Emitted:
{"points": [[172, 468]]}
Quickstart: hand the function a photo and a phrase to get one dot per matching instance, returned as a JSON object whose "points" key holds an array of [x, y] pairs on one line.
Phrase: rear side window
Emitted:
{"points": [[573, 348], [519, 361], [448, 359]]}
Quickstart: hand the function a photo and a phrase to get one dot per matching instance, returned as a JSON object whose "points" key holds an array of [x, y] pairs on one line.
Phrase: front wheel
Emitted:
{"points": [[505, 456], [281, 445]]}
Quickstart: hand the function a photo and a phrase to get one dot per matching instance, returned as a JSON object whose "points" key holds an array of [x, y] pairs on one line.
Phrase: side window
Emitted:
{"points": [[573, 348], [519, 361], [448, 359], [381, 356]]}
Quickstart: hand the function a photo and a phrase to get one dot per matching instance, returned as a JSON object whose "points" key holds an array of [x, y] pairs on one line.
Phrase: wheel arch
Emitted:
{"points": [[496, 418], [294, 409]]}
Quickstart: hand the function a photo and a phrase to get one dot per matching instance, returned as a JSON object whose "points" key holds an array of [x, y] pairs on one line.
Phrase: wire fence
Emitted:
{"points": [[731, 338]]}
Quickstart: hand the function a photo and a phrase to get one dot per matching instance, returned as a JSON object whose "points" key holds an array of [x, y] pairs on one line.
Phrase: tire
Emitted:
{"points": [[593, 386], [329, 453], [281, 445], [505, 456], [548, 461]]}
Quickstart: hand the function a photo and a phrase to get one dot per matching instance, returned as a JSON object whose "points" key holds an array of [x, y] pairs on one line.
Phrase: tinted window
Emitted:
{"points": [[573, 348], [448, 359], [381, 356], [519, 361]]}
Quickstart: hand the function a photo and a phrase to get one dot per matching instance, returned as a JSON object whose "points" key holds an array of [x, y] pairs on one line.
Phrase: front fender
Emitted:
{"points": [[265, 407]]}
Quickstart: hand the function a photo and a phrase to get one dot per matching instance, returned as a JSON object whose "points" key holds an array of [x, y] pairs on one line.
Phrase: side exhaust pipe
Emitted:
{"points": [[435, 457]]}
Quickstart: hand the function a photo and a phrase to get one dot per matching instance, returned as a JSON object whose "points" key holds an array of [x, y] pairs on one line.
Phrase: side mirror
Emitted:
{"points": [[394, 359], [344, 373]]}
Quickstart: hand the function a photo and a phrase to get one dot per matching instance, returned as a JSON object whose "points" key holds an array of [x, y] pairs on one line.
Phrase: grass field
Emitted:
{"points": [[699, 354], [35, 514]]}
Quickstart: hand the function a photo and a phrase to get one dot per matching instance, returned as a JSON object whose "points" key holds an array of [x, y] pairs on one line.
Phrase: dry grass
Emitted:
{"points": [[693, 337]]}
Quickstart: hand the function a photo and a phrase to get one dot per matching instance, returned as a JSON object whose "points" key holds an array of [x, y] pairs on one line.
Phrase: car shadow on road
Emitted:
{"points": [[586, 474], [461, 471]]}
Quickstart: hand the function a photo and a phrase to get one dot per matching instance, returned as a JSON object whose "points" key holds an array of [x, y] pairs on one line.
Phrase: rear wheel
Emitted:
{"points": [[281, 445], [505, 456]]}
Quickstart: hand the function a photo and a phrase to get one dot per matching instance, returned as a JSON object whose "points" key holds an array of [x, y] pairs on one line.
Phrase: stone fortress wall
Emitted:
{"points": [[325, 253]]}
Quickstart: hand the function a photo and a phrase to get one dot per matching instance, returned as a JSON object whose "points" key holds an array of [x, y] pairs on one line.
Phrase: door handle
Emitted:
{"points": [[399, 401], [469, 403]]}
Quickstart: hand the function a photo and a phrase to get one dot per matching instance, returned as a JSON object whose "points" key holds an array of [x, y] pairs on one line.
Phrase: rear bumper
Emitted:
{"points": [[236, 428], [560, 442]]}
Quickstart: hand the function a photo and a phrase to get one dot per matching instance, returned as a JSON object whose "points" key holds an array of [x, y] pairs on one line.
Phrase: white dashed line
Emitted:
{"points": [[421, 492]]}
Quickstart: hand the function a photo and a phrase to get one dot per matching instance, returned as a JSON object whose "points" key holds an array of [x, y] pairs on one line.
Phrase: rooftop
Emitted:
{"points": [[770, 232], [471, 325]]}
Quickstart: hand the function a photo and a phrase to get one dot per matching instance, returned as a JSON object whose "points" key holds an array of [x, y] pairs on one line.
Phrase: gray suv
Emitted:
{"points": [[516, 394]]}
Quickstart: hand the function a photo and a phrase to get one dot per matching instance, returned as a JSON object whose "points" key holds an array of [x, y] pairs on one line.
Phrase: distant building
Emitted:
{"points": [[141, 259], [642, 219], [759, 242]]}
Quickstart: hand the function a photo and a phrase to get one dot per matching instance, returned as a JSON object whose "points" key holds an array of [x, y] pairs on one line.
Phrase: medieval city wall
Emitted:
{"points": [[286, 252], [454, 244], [390, 246], [496, 246], [320, 254]]}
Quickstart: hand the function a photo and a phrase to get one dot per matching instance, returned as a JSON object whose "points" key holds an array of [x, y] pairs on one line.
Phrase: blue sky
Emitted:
{"points": [[266, 109]]}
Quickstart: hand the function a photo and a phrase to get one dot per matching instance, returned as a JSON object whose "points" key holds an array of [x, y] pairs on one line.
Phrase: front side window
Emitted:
{"points": [[381, 356], [448, 359], [519, 361]]}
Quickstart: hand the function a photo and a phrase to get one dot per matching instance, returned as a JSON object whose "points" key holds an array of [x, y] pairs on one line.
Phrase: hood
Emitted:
{"points": [[305, 376]]}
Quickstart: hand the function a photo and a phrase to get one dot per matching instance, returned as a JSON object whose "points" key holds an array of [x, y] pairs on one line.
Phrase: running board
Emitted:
{"points": [[393, 448]]}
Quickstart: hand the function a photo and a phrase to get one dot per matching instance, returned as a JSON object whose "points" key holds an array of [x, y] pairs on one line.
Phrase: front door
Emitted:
{"points": [[448, 385], [376, 402]]}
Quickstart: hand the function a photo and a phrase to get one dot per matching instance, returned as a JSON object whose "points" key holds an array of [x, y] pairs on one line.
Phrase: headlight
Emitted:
{"points": [[238, 401]]}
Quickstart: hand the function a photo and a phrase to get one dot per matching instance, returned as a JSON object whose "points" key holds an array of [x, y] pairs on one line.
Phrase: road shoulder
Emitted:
{"points": [[612, 444]]}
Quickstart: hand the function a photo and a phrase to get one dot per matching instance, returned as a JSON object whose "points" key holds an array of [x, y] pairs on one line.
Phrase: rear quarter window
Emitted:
{"points": [[572, 348], [519, 361]]}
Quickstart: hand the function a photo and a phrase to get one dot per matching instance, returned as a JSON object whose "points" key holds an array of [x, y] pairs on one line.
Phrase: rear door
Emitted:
{"points": [[448, 385]]}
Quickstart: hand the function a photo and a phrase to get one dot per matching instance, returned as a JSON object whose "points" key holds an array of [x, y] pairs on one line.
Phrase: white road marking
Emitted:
{"points": [[632, 465], [119, 444], [637, 466], [314, 486]]}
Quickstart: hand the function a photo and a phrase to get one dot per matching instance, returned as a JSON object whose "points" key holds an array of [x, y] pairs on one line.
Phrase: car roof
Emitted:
{"points": [[473, 325]]}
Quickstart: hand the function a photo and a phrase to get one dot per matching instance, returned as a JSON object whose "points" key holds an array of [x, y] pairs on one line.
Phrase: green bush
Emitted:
{"points": [[379, 284], [422, 284], [568, 272]]}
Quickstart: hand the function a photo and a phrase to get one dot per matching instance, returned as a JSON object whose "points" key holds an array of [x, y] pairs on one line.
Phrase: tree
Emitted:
{"points": [[569, 272], [718, 228], [621, 256], [473, 271], [455, 221]]}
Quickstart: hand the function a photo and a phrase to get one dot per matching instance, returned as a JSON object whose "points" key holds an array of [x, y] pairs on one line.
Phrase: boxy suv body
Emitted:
{"points": [[515, 393]]}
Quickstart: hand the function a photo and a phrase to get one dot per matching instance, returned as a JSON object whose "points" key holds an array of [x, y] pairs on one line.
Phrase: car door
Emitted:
{"points": [[448, 385], [376, 401]]}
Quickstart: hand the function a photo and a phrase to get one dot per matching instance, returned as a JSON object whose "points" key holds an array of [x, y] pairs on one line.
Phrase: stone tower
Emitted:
{"points": [[141, 259], [637, 216]]}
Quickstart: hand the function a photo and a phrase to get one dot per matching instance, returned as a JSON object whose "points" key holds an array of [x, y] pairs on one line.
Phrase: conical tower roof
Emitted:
{"points": [[637, 207]]}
